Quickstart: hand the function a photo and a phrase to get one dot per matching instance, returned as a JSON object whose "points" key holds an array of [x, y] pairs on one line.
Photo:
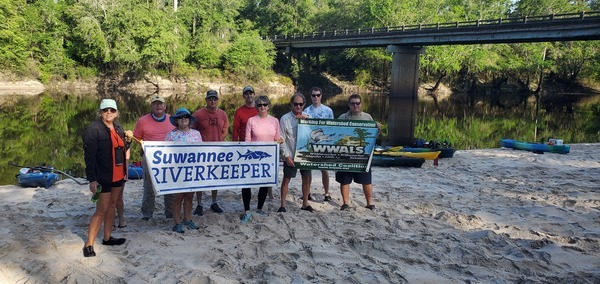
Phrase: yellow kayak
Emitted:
{"points": [[424, 155]]}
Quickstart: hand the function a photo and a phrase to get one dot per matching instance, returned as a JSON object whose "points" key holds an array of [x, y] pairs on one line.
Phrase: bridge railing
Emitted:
{"points": [[437, 26]]}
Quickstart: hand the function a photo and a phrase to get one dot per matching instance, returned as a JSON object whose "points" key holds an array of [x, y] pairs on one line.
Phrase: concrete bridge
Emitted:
{"points": [[407, 42]]}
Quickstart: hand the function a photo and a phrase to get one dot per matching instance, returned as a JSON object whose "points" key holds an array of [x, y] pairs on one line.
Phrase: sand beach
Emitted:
{"points": [[484, 216]]}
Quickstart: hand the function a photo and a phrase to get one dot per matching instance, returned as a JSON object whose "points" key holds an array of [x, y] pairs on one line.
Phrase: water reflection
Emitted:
{"points": [[47, 128]]}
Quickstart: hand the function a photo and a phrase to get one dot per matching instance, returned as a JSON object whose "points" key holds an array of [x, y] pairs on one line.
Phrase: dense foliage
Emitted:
{"points": [[86, 38]]}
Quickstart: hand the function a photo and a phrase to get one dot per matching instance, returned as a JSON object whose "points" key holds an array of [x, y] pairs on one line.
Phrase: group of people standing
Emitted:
{"points": [[106, 147]]}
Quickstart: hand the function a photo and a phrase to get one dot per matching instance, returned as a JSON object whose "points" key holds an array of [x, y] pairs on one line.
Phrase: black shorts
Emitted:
{"points": [[107, 187], [347, 177], [289, 172]]}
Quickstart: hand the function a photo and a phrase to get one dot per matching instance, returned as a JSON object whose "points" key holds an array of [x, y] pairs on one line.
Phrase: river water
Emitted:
{"points": [[46, 128]]}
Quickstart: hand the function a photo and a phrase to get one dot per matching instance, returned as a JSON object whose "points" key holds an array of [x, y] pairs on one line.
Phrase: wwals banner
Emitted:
{"points": [[185, 166], [330, 144]]}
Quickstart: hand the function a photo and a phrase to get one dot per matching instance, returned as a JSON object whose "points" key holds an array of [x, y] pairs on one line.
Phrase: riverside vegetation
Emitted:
{"points": [[47, 128], [498, 90]]}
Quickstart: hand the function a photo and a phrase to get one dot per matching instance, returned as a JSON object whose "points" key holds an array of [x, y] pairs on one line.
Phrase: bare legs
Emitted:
{"points": [[105, 212], [305, 189], [116, 193], [188, 199], [367, 190], [325, 178]]}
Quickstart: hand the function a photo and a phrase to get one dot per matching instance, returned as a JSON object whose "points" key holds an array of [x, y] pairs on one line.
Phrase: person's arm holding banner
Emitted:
{"points": [[287, 142]]}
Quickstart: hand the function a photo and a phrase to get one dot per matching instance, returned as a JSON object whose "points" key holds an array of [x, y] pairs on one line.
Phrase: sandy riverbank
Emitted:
{"points": [[484, 216]]}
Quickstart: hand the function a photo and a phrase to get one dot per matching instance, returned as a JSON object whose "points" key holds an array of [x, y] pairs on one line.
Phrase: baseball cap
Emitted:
{"points": [[248, 88], [157, 98], [212, 93], [108, 103]]}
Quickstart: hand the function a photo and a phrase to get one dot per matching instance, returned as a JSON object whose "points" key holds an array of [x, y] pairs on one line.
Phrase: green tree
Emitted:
{"points": [[250, 56], [13, 43]]}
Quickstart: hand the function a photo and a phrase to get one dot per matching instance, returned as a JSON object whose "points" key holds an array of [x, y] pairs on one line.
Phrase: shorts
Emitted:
{"points": [[290, 172], [107, 187], [347, 177]]}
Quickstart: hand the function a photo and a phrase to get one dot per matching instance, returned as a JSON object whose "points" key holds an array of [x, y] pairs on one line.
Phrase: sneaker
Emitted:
{"points": [[199, 210], [281, 209], [215, 208], [177, 228], [308, 208], [309, 197], [89, 251], [345, 207], [246, 217], [327, 198], [261, 212], [371, 207], [114, 242], [190, 224]]}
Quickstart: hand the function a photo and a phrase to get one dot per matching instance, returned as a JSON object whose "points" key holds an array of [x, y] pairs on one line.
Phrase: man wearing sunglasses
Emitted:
{"points": [[213, 124], [346, 178], [288, 130], [319, 110], [153, 126]]}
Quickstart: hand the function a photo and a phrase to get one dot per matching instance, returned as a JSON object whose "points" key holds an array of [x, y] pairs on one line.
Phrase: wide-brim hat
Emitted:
{"points": [[181, 112], [108, 103]]}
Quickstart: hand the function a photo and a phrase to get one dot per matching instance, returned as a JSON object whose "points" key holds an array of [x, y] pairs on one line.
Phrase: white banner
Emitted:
{"points": [[200, 166]]}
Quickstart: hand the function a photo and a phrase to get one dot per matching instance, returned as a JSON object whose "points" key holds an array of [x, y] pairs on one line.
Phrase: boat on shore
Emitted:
{"points": [[444, 152], [135, 171], [539, 148], [425, 155], [379, 160], [31, 177]]}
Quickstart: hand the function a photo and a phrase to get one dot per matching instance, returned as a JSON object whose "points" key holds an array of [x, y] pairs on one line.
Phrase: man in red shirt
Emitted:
{"points": [[213, 124], [242, 114]]}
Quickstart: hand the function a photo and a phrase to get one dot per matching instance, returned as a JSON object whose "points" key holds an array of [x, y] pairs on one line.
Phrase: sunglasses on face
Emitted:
{"points": [[298, 104], [262, 105], [315, 95], [248, 94], [354, 103], [112, 110], [212, 99], [185, 116]]}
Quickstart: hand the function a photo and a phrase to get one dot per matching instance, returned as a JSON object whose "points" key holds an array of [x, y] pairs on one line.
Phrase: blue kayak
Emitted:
{"points": [[135, 171], [535, 147], [28, 177]]}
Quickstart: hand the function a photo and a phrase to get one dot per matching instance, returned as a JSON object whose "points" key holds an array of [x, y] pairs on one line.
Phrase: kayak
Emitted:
{"points": [[535, 147], [425, 155], [134, 171], [29, 177], [401, 161], [444, 152]]}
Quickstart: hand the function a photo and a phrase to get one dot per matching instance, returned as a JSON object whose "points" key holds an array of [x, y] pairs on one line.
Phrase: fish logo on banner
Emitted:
{"points": [[253, 155]]}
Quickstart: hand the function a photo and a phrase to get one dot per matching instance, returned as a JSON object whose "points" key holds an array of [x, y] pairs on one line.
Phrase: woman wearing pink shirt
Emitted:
{"points": [[262, 127]]}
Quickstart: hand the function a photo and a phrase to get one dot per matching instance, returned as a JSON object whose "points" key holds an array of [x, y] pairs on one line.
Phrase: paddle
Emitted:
{"points": [[49, 169]]}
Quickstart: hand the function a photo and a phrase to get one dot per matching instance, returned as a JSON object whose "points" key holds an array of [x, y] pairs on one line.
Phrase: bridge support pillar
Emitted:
{"points": [[403, 94]]}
